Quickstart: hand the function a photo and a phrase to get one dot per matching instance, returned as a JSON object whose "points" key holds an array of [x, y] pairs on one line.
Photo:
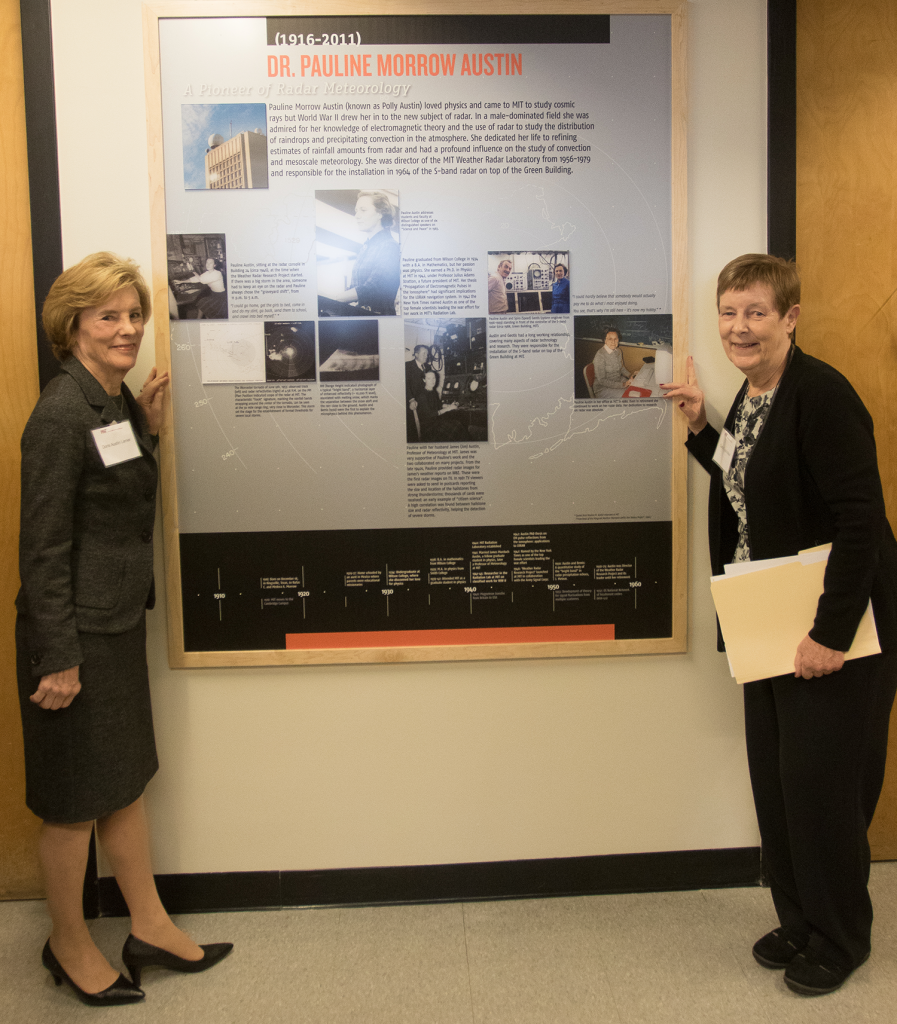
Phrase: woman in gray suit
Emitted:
{"points": [[88, 507]]}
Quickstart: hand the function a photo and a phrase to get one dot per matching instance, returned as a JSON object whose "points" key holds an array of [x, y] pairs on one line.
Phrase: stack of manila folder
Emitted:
{"points": [[767, 607]]}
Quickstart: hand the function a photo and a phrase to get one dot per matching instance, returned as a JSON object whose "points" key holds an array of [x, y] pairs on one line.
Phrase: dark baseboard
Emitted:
{"points": [[438, 883]]}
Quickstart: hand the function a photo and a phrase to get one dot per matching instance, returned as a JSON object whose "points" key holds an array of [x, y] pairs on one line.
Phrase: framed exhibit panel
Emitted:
{"points": [[418, 275]]}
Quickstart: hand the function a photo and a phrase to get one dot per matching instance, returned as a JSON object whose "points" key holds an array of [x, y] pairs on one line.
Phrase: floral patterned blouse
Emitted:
{"points": [[748, 423]]}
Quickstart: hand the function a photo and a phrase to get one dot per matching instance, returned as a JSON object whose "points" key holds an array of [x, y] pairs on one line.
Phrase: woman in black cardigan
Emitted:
{"points": [[796, 467]]}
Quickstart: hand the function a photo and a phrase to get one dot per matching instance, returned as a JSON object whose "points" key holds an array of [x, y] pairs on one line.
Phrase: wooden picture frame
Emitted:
{"points": [[407, 648]]}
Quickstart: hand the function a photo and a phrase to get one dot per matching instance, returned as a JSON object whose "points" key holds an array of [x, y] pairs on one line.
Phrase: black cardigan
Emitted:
{"points": [[812, 479]]}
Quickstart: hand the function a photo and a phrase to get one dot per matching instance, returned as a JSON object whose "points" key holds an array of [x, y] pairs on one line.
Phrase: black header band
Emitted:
{"points": [[478, 30]]}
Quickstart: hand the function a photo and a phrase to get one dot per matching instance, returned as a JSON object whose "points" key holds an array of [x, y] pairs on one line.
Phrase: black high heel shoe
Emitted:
{"points": [[137, 954], [117, 994]]}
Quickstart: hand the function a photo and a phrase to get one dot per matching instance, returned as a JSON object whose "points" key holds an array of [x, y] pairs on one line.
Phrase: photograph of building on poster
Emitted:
{"points": [[409, 463], [225, 145]]}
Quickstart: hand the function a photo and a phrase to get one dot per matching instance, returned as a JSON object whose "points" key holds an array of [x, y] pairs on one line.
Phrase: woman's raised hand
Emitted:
{"points": [[689, 398], [150, 399]]}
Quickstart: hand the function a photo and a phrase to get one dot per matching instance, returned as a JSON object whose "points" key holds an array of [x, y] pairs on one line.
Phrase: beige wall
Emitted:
{"points": [[330, 767]]}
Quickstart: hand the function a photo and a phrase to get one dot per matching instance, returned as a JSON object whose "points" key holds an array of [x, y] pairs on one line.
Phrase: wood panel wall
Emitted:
{"points": [[19, 874], [847, 233]]}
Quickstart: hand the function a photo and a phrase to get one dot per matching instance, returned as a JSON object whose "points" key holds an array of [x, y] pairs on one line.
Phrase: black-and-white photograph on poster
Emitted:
{"points": [[622, 356], [357, 247], [197, 277], [290, 350], [529, 282], [225, 145], [445, 380], [348, 350]]}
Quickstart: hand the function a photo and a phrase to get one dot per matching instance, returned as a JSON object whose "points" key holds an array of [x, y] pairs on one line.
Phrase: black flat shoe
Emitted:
{"points": [[811, 973], [778, 948], [137, 954], [119, 992]]}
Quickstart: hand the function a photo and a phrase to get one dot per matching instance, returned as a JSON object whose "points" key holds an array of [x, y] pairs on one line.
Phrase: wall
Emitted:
{"points": [[360, 766]]}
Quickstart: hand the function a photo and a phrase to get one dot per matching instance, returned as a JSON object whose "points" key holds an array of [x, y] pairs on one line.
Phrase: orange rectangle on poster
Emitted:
{"points": [[450, 637]]}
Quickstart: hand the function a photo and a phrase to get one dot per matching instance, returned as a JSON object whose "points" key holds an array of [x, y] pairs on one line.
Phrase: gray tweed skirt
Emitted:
{"points": [[97, 755]]}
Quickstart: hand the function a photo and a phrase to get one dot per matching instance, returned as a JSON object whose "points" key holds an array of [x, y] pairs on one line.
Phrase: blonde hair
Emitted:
{"points": [[782, 276], [83, 286]]}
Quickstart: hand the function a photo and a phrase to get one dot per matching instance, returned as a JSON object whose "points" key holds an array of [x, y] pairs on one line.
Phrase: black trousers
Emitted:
{"points": [[816, 752]]}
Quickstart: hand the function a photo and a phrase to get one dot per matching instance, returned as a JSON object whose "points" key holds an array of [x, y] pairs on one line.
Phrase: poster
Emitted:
{"points": [[420, 291]]}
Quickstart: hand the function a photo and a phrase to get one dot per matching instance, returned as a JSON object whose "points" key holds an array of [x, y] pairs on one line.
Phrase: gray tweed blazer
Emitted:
{"points": [[86, 536]]}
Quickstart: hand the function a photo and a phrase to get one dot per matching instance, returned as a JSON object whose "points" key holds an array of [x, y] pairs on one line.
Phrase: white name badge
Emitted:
{"points": [[725, 451], [116, 443]]}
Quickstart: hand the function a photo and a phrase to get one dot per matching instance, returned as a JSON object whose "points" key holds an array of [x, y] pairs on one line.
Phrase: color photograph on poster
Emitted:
{"points": [[431, 425], [529, 282], [225, 145], [622, 356]]}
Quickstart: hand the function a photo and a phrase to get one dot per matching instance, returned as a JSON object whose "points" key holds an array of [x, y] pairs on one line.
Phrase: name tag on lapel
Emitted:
{"points": [[116, 443], [725, 451]]}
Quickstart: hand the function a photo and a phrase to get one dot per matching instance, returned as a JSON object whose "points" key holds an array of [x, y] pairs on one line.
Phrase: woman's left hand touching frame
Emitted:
{"points": [[813, 660], [150, 399]]}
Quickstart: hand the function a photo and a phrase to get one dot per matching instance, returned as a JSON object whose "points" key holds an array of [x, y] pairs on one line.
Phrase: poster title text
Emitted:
{"points": [[390, 65]]}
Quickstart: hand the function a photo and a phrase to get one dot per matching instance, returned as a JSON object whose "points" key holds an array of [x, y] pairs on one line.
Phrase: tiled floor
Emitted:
{"points": [[636, 959]]}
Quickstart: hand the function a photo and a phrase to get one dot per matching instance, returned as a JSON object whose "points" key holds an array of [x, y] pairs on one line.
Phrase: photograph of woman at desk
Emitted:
{"points": [[611, 377], [622, 356], [197, 287], [358, 252]]}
